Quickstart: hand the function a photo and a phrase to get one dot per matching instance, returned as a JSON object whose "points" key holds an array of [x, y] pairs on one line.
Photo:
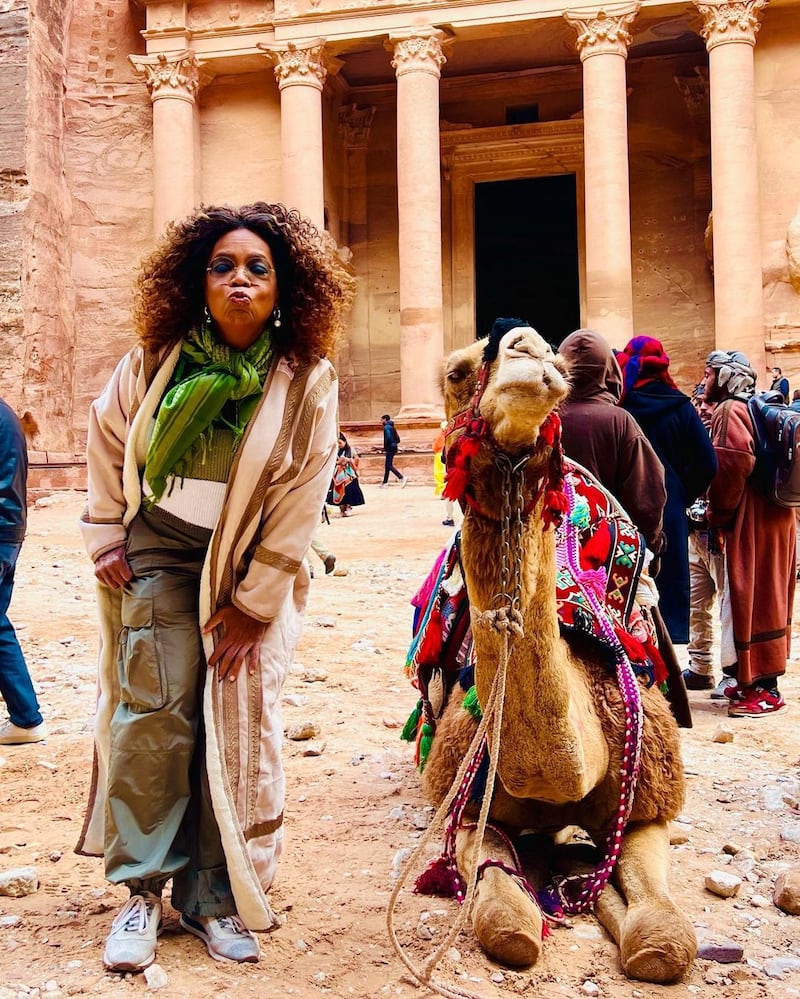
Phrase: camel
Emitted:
{"points": [[563, 723]]}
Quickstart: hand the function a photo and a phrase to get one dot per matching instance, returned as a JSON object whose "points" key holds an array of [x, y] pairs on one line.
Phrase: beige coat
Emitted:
{"points": [[255, 560]]}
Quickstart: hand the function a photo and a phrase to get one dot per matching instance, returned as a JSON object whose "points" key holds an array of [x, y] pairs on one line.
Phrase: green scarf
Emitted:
{"points": [[208, 374]]}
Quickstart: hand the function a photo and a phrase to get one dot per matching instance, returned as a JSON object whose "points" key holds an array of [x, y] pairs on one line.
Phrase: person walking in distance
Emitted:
{"points": [[391, 441], [25, 723]]}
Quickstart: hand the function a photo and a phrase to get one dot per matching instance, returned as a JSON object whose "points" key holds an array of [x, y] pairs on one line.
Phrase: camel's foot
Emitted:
{"points": [[657, 942], [507, 923]]}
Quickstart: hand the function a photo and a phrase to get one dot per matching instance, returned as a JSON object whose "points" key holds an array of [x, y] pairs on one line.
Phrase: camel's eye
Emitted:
{"points": [[456, 375]]}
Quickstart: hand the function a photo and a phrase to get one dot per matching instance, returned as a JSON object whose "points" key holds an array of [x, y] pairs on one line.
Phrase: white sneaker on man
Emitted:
{"points": [[226, 937], [13, 735], [131, 944]]}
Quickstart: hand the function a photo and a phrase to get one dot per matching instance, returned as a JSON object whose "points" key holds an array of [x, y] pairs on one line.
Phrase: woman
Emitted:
{"points": [[209, 454], [345, 491], [672, 425]]}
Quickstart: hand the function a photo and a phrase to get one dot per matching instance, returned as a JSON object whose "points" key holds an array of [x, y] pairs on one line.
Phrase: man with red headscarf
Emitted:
{"points": [[671, 424]]}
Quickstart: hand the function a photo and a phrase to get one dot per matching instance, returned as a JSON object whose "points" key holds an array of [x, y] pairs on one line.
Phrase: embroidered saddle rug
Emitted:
{"points": [[611, 557]]}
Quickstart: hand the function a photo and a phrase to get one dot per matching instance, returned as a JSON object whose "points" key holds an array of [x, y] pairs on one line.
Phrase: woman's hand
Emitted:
{"points": [[239, 642], [113, 568]]}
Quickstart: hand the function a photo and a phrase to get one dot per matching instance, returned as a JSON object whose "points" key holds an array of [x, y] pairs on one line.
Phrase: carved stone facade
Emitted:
{"points": [[391, 122]]}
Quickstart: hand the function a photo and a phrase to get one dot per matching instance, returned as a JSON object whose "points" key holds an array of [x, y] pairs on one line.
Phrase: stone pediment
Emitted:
{"points": [[502, 146]]}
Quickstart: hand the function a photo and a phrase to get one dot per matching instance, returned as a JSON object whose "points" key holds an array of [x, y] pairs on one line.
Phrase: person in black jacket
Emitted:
{"points": [[25, 723], [391, 441], [671, 424]]}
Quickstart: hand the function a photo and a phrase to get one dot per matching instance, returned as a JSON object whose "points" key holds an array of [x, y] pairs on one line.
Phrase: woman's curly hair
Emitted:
{"points": [[315, 288]]}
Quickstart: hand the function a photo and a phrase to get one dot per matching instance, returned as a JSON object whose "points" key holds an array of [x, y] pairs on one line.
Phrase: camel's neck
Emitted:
{"points": [[550, 732]]}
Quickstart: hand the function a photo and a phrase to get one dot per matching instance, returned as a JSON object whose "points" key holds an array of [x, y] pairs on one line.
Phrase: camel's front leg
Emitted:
{"points": [[657, 942], [507, 923]]}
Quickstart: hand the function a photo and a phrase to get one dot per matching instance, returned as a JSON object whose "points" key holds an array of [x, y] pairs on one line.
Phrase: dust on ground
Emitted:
{"points": [[355, 809]]}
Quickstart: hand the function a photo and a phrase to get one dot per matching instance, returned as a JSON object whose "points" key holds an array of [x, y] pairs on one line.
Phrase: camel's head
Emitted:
{"points": [[525, 381]]}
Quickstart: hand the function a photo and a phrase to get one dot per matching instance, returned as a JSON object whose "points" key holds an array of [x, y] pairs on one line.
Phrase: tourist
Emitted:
{"points": [[672, 425], [759, 547], [440, 474], [209, 455], [779, 383], [391, 441], [25, 723], [345, 490], [604, 438]]}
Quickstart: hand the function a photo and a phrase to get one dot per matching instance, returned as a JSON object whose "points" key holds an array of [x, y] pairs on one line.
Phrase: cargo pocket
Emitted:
{"points": [[143, 682]]}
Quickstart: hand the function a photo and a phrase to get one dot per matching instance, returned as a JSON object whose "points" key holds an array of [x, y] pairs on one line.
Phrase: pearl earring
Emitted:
{"points": [[276, 319]]}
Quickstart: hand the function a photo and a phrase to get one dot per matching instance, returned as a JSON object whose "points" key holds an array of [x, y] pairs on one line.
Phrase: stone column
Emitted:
{"points": [[417, 61], [301, 74], [603, 40], [730, 33], [173, 81]]}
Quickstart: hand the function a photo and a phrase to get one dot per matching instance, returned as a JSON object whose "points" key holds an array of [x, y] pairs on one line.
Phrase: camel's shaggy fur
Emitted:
{"points": [[563, 722]]}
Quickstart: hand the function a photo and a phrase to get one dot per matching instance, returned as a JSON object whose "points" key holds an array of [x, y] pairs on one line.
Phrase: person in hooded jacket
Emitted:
{"points": [[606, 439], [672, 425]]}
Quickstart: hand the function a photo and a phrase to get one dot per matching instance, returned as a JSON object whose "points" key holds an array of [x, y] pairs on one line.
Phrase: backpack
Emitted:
{"points": [[777, 440]]}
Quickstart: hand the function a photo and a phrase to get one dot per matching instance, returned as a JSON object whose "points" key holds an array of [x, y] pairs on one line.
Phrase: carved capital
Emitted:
{"points": [[725, 21], [175, 75], [603, 30], [298, 64], [354, 125], [420, 51]]}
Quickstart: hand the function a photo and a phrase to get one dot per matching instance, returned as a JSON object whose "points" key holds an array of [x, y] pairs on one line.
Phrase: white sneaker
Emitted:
{"points": [[13, 735], [403, 482], [726, 683], [131, 944], [226, 937]]}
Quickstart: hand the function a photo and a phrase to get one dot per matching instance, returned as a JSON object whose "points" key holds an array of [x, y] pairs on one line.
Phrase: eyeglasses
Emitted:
{"points": [[256, 270]]}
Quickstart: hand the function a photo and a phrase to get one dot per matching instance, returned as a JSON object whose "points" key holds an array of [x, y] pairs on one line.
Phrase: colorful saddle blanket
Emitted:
{"points": [[610, 559]]}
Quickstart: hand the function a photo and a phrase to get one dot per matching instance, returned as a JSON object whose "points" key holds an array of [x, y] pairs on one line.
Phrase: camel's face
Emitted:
{"points": [[526, 382]]}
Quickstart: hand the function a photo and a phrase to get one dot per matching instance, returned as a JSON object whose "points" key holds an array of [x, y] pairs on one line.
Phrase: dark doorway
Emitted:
{"points": [[526, 254]]}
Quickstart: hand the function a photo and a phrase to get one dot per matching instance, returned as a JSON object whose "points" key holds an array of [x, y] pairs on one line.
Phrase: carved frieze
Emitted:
{"points": [[217, 16], [603, 30], [725, 21], [298, 64], [420, 51], [176, 74]]}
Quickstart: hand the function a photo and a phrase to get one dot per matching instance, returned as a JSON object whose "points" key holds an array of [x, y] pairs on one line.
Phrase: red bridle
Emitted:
{"points": [[475, 432]]}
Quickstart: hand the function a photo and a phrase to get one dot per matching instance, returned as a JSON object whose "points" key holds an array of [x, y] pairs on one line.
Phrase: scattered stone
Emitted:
{"points": [[722, 734], [775, 966], [454, 955], [791, 832], [679, 833], [51, 986], [760, 902], [325, 622], [156, 977], [302, 946], [55, 856], [725, 797], [2, 761], [721, 951], [587, 931], [357, 760], [303, 731], [294, 700], [723, 884], [498, 977], [772, 798], [314, 749], [45, 765], [19, 881], [399, 860], [6, 921], [424, 932], [590, 988], [340, 571], [419, 820], [786, 895], [319, 976], [314, 675], [732, 849], [392, 723], [364, 645]]}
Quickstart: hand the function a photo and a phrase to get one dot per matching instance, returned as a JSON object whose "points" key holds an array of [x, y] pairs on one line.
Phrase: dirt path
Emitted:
{"points": [[353, 808]]}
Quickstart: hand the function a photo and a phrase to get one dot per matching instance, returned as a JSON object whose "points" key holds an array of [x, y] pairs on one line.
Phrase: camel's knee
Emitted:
{"points": [[507, 923], [657, 942]]}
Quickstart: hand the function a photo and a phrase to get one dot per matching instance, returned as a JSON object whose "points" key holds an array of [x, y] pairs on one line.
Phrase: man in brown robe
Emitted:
{"points": [[759, 546]]}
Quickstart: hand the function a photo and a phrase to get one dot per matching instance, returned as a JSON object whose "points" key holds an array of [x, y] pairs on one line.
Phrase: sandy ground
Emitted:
{"points": [[355, 809]]}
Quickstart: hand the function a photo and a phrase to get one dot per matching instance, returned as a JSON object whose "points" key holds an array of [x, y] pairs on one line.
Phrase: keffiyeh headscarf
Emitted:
{"points": [[734, 373], [643, 360]]}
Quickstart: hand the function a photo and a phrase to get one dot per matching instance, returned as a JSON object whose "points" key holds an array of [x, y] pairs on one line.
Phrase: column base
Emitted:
{"points": [[420, 411]]}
